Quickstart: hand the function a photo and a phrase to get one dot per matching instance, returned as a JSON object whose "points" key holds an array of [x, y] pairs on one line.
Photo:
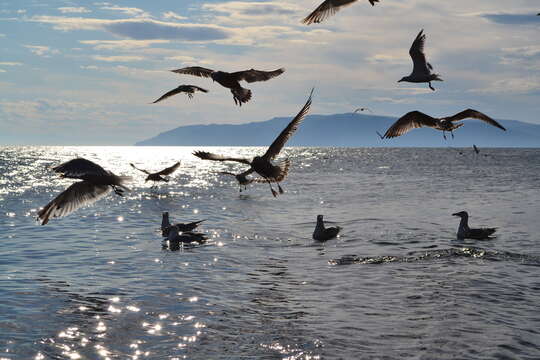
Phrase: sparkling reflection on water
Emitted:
{"points": [[98, 284]]}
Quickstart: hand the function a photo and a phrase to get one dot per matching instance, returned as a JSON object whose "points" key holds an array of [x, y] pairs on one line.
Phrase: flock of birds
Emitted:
{"points": [[96, 182]]}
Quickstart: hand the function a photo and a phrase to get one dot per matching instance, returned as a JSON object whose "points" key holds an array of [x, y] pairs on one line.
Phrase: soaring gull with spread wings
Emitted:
{"points": [[232, 80], [417, 119], [188, 89], [329, 8], [96, 183], [263, 165], [158, 176], [421, 68]]}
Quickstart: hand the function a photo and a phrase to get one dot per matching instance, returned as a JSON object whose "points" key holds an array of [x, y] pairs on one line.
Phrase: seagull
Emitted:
{"points": [[232, 80], [244, 181], [188, 89], [362, 109], [166, 225], [158, 176], [96, 183], [321, 233], [421, 68], [262, 165], [175, 238], [329, 8], [417, 119], [465, 232]]}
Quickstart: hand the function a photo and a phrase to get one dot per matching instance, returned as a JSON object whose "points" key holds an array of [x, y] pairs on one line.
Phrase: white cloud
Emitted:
{"points": [[89, 67], [121, 44], [130, 11], [10, 63], [73, 10], [2, 71], [118, 58], [172, 15], [41, 50]]}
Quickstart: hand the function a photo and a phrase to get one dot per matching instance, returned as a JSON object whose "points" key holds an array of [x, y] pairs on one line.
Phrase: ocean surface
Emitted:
{"points": [[397, 284]]}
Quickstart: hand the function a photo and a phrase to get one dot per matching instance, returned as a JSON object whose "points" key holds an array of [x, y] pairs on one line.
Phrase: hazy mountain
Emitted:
{"points": [[347, 130]]}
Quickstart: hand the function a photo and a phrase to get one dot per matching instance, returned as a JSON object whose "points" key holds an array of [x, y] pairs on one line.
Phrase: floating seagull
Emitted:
{"points": [[232, 80], [421, 68], [362, 109], [158, 176], [262, 165], [188, 89], [175, 238], [465, 232], [166, 225], [321, 233], [329, 8], [97, 182], [417, 119]]}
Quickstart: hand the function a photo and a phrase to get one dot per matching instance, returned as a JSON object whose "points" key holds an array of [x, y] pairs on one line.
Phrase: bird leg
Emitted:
{"points": [[274, 192], [444, 135], [190, 95], [431, 87], [279, 188], [117, 190], [452, 133]]}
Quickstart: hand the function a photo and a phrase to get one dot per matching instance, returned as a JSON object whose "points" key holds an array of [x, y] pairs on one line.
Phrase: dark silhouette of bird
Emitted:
{"points": [[263, 165], [244, 181], [166, 225], [379, 134], [465, 232], [362, 109], [328, 8], [96, 183], [232, 80], [158, 176], [417, 119], [476, 150], [323, 234], [421, 68], [176, 239], [188, 89]]}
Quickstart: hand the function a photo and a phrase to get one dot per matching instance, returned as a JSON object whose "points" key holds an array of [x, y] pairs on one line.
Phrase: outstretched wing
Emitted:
{"points": [[418, 57], [190, 89], [257, 75], [79, 167], [195, 71], [170, 169], [144, 171], [280, 141], [215, 157], [78, 194], [409, 121], [327, 9], [473, 114]]}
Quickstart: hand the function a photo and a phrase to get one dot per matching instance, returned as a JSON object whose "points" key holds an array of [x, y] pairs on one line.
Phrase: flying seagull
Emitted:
{"points": [[158, 176], [232, 80], [417, 119], [96, 183], [244, 181], [362, 109], [188, 89], [329, 8], [421, 68], [263, 165], [465, 232], [321, 233], [166, 225]]}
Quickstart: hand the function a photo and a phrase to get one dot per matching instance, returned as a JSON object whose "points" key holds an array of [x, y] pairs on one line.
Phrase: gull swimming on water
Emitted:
{"points": [[158, 176], [421, 68], [166, 225], [417, 119], [328, 8], [232, 80], [263, 165], [188, 89], [96, 183], [175, 238], [323, 234], [465, 232]]}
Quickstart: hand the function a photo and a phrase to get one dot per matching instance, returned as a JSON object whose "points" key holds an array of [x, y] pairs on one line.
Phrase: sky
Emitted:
{"points": [[85, 73]]}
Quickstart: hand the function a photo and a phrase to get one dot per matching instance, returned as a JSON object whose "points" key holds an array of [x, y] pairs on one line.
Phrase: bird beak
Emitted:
{"points": [[399, 81], [455, 214]]}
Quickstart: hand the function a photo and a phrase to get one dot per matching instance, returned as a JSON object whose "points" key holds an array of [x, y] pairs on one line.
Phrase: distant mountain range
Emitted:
{"points": [[350, 130]]}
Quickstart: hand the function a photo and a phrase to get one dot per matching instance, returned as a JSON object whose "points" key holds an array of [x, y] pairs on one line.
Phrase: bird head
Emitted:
{"points": [[319, 217], [461, 214]]}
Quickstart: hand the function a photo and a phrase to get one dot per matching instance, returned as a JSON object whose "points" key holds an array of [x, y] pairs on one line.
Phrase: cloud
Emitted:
{"points": [[89, 67], [121, 44], [68, 9], [513, 19], [118, 58], [10, 63], [172, 15], [130, 11], [41, 50], [2, 71], [513, 85], [242, 8]]}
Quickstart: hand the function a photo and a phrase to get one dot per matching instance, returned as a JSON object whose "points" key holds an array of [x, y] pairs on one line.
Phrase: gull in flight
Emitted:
{"points": [[421, 68], [263, 165], [232, 80], [323, 234], [417, 119], [96, 183], [158, 176], [465, 232], [244, 181], [329, 8], [362, 109], [166, 225], [188, 89]]}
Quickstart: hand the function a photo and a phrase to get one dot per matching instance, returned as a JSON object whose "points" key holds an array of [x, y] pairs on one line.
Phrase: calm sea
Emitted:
{"points": [[397, 284]]}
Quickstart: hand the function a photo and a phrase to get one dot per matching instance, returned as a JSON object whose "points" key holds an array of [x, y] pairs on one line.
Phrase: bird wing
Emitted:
{"points": [[417, 54], [280, 141], [79, 167], [170, 169], [196, 88], [178, 90], [78, 194], [195, 70], [144, 171], [409, 121], [473, 114], [327, 9], [211, 156], [257, 75]]}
